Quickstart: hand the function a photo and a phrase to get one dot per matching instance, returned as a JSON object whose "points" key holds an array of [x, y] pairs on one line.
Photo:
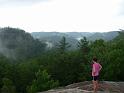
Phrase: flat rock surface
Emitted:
{"points": [[87, 87]]}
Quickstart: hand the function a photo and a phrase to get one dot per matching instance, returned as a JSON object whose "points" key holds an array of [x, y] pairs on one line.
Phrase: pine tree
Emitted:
{"points": [[63, 45], [42, 82], [83, 45]]}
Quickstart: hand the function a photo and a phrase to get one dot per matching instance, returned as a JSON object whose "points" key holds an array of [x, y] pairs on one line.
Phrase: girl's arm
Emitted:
{"points": [[100, 67]]}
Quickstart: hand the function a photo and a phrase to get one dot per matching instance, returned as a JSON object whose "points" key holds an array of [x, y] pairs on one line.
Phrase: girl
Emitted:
{"points": [[96, 67]]}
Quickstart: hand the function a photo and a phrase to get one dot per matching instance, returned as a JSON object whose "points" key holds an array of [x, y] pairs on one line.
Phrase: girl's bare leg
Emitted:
{"points": [[95, 86]]}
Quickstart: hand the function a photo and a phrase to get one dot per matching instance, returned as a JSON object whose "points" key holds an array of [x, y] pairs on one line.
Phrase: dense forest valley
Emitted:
{"points": [[35, 62]]}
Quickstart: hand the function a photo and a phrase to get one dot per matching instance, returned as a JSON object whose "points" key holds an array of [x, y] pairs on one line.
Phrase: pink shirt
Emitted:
{"points": [[96, 67]]}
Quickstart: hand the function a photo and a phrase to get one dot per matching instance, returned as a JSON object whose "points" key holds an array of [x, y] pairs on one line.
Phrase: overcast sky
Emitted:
{"points": [[63, 15]]}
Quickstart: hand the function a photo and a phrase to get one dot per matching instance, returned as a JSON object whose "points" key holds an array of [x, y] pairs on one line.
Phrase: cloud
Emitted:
{"points": [[11, 3], [62, 15], [121, 8]]}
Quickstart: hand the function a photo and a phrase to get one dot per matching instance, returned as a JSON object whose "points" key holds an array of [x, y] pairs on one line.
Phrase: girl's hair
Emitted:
{"points": [[95, 59]]}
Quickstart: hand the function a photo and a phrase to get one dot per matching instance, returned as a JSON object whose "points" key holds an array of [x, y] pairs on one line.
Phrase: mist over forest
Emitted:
{"points": [[39, 61]]}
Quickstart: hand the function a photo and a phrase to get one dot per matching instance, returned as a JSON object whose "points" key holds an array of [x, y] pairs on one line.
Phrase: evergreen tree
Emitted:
{"points": [[42, 82], [63, 45], [83, 46], [84, 50]]}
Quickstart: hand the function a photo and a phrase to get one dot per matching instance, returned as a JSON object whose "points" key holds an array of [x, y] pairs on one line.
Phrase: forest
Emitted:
{"points": [[26, 66]]}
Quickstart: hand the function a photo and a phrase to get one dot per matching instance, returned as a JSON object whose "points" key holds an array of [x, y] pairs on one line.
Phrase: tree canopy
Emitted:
{"points": [[26, 66]]}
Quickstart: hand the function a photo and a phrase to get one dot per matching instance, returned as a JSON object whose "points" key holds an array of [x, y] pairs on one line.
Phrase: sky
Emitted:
{"points": [[63, 15]]}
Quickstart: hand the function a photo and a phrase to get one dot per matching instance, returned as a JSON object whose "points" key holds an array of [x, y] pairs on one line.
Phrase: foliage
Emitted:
{"points": [[8, 86], [42, 82]]}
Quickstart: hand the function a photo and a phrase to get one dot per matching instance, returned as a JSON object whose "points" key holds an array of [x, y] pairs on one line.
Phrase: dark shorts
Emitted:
{"points": [[95, 78]]}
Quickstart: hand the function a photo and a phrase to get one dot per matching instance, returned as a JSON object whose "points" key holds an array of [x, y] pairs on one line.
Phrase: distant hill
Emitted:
{"points": [[52, 38], [105, 36], [76, 35], [17, 44], [72, 37]]}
